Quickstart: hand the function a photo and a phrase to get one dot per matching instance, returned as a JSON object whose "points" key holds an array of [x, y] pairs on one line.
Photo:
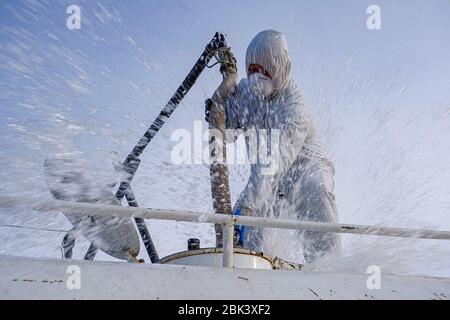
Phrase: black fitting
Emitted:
{"points": [[208, 104], [193, 244]]}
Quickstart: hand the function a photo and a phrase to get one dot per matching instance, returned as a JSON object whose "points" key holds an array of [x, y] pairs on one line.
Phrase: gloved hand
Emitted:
{"points": [[239, 231], [208, 104]]}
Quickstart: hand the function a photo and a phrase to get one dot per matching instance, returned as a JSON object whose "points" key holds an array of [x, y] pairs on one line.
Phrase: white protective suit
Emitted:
{"points": [[303, 182]]}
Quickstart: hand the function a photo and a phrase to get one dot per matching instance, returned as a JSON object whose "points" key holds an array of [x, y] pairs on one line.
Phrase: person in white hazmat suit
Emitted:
{"points": [[300, 181]]}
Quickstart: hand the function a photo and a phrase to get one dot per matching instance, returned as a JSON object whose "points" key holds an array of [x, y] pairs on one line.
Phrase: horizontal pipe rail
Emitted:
{"points": [[189, 216]]}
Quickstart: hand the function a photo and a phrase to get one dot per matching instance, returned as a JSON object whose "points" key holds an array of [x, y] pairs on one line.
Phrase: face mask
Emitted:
{"points": [[260, 85]]}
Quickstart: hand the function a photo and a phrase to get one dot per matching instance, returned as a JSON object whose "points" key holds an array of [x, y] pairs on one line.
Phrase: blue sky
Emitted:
{"points": [[324, 37], [100, 87], [95, 90]]}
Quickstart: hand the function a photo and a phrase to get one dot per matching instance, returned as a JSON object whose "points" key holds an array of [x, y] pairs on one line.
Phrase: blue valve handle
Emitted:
{"points": [[239, 230]]}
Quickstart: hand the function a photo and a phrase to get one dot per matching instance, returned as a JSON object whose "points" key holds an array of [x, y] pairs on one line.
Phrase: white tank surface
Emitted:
{"points": [[212, 257], [38, 278]]}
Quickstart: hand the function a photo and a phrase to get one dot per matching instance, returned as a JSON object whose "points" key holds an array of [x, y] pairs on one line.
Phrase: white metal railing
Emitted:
{"points": [[228, 221]]}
